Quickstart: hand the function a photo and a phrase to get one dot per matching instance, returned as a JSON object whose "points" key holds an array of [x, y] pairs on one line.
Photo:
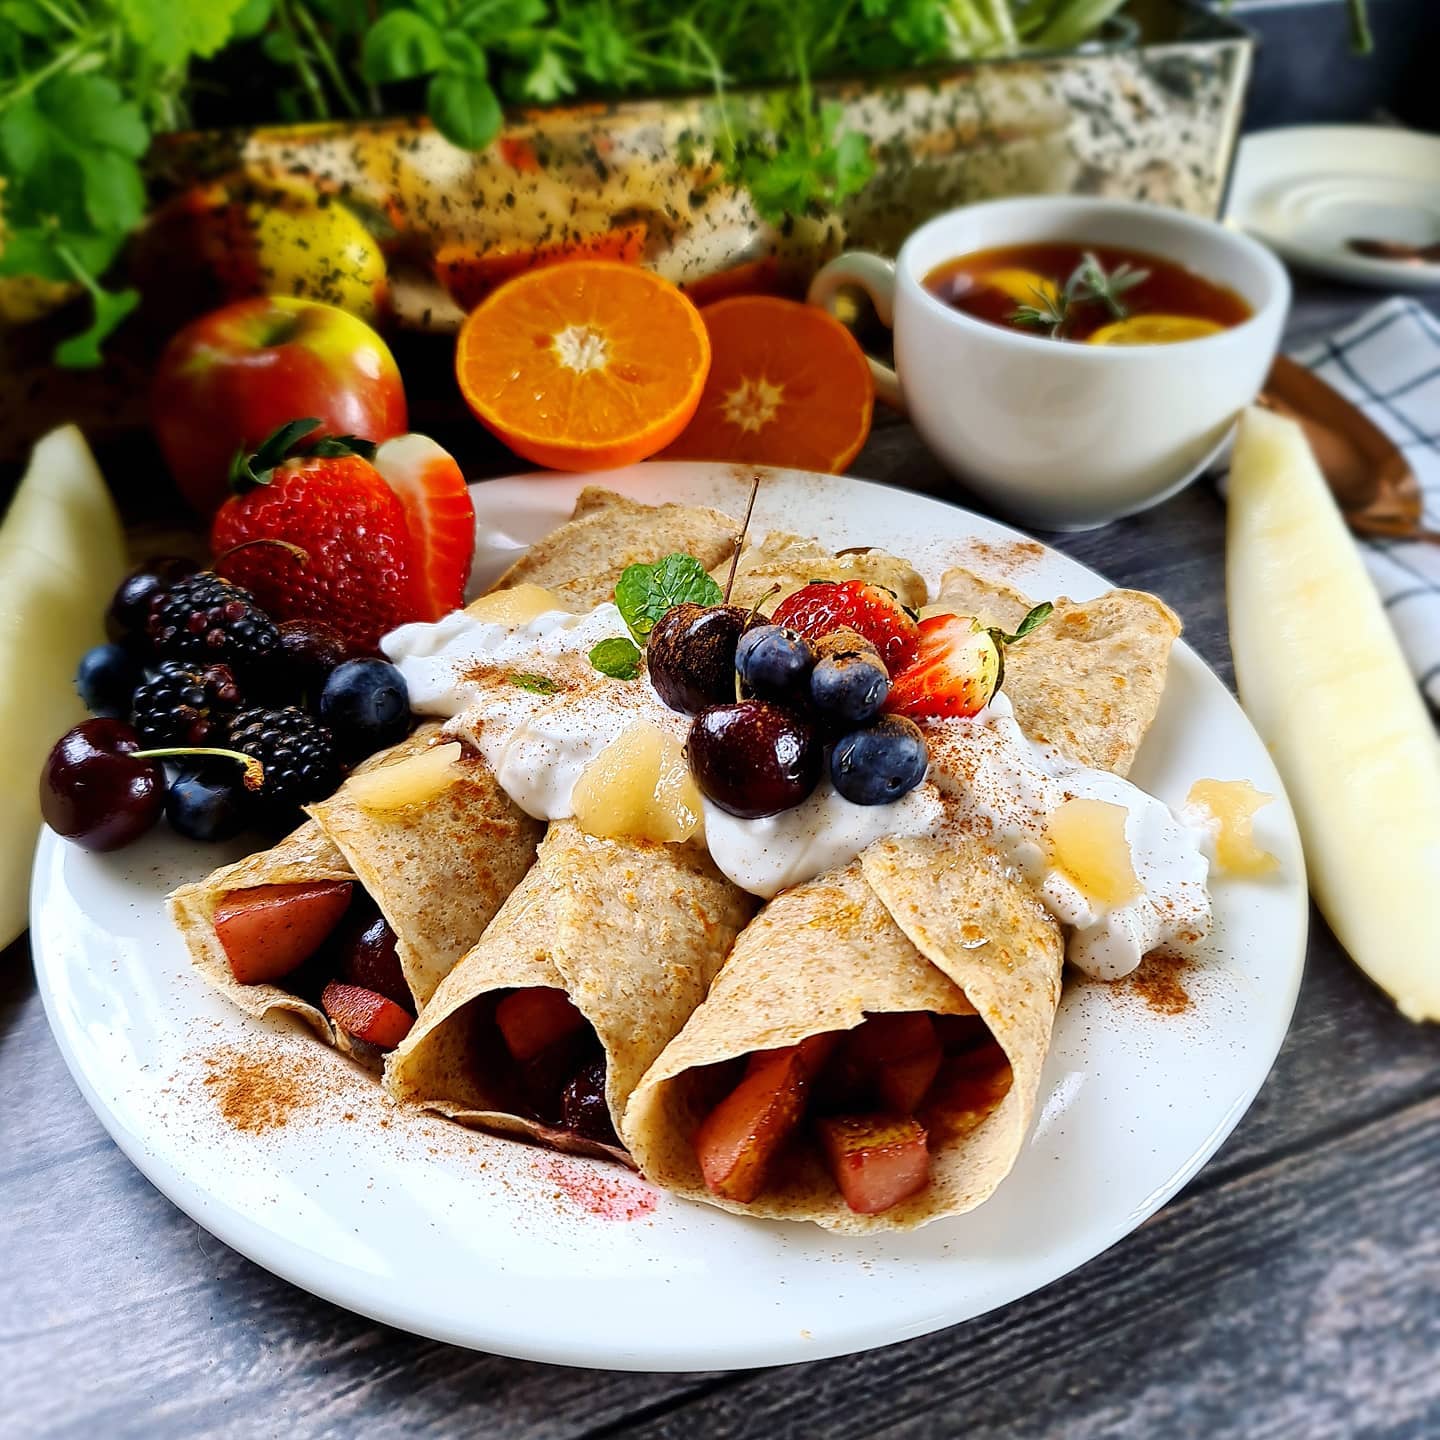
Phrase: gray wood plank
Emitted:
{"points": [[1302, 1299]]}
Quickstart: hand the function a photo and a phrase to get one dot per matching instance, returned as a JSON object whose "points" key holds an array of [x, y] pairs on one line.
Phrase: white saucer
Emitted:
{"points": [[1305, 190]]}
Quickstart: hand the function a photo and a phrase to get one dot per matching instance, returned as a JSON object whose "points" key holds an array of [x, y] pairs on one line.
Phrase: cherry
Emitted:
{"points": [[368, 956], [130, 606], [754, 758], [97, 790], [583, 1108], [691, 655], [301, 663]]}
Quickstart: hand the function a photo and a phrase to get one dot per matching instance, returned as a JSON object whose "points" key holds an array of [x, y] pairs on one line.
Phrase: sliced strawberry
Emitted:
{"points": [[954, 673], [439, 515], [365, 1014], [270, 930], [822, 606], [534, 1019], [877, 1160]]}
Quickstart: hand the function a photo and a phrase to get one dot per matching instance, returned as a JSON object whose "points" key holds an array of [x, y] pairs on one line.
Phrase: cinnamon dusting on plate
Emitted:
{"points": [[1159, 981], [256, 1094]]}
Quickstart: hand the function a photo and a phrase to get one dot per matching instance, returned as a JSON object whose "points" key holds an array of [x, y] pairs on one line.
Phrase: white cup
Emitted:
{"points": [[1059, 435]]}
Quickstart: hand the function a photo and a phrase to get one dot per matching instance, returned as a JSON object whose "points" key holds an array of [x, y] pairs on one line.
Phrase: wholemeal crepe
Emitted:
{"points": [[631, 932], [581, 561], [304, 855], [438, 869], [790, 561], [912, 925], [1089, 680]]}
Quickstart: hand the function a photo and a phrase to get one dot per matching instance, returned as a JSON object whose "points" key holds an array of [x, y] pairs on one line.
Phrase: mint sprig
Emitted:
{"points": [[618, 658], [645, 592], [536, 684]]}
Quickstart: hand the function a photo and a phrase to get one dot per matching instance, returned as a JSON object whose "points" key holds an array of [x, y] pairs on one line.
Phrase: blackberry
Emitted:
{"points": [[298, 754], [185, 705], [207, 617]]}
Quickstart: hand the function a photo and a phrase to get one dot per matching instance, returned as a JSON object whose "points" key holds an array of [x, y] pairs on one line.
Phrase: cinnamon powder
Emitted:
{"points": [[258, 1094], [1159, 981]]}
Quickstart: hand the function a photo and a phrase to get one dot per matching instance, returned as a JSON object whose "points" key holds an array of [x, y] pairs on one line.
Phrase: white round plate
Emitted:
{"points": [[1307, 189], [499, 1246]]}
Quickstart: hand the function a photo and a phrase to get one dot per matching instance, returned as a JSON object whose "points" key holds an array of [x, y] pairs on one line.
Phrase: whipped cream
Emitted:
{"points": [[528, 699]]}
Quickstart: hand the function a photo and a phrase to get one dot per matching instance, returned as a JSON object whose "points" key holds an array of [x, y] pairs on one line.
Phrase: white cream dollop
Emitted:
{"points": [[527, 697]]}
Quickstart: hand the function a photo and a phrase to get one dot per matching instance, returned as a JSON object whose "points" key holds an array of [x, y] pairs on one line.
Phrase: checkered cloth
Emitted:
{"points": [[1388, 363]]}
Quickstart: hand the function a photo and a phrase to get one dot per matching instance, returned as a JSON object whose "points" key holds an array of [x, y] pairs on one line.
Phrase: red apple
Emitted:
{"points": [[365, 1015], [230, 378]]}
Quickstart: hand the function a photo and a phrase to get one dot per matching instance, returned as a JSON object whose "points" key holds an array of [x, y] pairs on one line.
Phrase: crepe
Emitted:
{"points": [[790, 561], [582, 559], [633, 932], [912, 925], [1090, 679], [438, 870], [305, 854]]}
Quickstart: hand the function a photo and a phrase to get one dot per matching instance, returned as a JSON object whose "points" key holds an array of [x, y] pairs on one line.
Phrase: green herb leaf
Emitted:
{"points": [[171, 33], [82, 351], [645, 592], [537, 684], [547, 80], [402, 45], [1038, 616], [249, 470], [618, 658], [464, 109]]}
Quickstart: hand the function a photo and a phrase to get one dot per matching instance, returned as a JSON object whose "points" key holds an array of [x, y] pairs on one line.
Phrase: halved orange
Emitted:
{"points": [[789, 385], [584, 366]]}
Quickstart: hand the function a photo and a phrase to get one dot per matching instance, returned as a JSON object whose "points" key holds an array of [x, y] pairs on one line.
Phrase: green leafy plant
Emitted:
{"points": [[85, 84]]}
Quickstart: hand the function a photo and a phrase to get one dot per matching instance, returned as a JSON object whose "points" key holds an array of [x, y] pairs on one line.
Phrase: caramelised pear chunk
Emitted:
{"points": [[877, 1160], [737, 1141], [270, 930], [365, 1014]]}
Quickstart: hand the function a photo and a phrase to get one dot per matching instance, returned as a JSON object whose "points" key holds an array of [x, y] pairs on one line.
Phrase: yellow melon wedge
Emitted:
{"points": [[1322, 676], [62, 553]]}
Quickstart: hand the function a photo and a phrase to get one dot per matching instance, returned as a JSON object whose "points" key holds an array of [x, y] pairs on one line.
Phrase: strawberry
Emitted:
{"points": [[954, 673], [439, 514], [822, 606]]}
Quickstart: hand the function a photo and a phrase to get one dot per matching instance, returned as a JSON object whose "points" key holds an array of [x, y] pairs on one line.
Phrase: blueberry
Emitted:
{"points": [[849, 687], [773, 663], [367, 704], [106, 680], [879, 765], [209, 804]]}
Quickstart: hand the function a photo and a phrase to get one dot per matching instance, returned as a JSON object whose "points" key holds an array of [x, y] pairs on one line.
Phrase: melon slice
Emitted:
{"points": [[62, 552], [1322, 676]]}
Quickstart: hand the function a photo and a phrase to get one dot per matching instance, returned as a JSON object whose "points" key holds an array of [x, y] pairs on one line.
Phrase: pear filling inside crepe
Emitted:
{"points": [[326, 943], [869, 1101], [533, 1048]]}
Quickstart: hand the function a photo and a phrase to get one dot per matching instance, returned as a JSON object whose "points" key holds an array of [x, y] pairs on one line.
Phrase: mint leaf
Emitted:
{"points": [[402, 45], [82, 351], [536, 684], [618, 658], [645, 592]]}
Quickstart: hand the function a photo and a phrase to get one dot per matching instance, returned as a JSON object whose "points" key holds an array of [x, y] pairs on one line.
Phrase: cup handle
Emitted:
{"points": [[875, 275]]}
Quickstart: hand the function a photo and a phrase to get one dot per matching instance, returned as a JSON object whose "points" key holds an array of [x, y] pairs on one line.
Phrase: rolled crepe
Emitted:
{"points": [[781, 563], [438, 871], [631, 932], [912, 925], [1090, 679]]}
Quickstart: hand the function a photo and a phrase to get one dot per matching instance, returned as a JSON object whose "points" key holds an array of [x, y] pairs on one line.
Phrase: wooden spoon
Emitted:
{"points": [[1367, 473]]}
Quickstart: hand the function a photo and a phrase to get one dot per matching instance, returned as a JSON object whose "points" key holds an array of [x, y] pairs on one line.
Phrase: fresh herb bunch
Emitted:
{"points": [[84, 84]]}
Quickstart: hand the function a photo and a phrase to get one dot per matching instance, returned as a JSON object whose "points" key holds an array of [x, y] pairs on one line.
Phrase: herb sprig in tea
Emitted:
{"points": [[1089, 284]]}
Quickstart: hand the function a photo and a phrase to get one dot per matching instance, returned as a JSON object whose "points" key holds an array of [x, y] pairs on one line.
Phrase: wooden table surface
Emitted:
{"points": [[1293, 1289]]}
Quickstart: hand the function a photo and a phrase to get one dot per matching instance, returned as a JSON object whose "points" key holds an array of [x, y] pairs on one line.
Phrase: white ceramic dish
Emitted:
{"points": [[470, 1239], [1306, 189], [1067, 436]]}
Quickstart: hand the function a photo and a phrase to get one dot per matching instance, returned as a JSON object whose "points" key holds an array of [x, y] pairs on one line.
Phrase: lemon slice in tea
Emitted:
{"points": [[1154, 330], [1024, 287]]}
